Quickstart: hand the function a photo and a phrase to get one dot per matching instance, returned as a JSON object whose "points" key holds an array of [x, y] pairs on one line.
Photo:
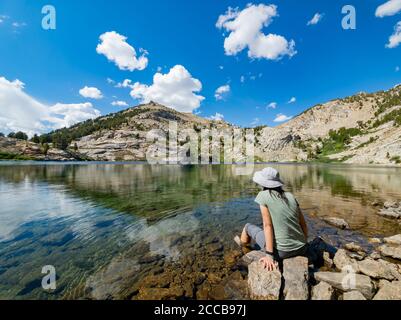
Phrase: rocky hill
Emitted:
{"points": [[14, 149], [364, 128]]}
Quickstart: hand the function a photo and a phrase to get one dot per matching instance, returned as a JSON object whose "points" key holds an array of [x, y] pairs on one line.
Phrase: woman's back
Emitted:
{"points": [[284, 212]]}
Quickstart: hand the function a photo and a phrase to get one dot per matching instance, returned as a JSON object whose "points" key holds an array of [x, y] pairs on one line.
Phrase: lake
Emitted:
{"points": [[136, 231]]}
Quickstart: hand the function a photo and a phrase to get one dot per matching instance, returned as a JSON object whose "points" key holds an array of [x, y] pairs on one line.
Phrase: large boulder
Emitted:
{"points": [[353, 295], [390, 251], [252, 256], [296, 278], [344, 262], [389, 291], [379, 269], [263, 284], [322, 291], [348, 282]]}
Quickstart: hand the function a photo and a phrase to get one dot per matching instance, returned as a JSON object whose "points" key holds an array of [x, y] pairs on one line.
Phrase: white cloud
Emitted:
{"points": [[21, 112], [115, 47], [245, 31], [217, 117], [110, 81], [221, 67], [176, 89], [127, 83], [388, 8], [316, 19], [18, 24], [119, 103], [255, 122], [282, 117], [397, 68], [91, 93], [221, 92], [272, 105], [66, 115], [242, 79], [395, 38], [292, 100]]}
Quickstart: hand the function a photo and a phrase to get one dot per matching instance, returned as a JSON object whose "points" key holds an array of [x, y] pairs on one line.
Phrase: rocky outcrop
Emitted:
{"points": [[370, 275], [322, 291], [296, 278], [263, 284], [390, 251], [14, 149], [344, 262], [348, 282], [389, 291], [395, 240], [353, 295], [379, 269]]}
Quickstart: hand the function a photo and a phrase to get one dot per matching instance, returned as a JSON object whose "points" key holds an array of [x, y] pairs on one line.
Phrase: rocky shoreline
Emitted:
{"points": [[328, 273]]}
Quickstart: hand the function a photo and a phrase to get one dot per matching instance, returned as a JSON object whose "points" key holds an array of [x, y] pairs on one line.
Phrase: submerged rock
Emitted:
{"points": [[263, 284], [389, 291], [296, 278], [391, 213], [390, 251], [337, 222], [348, 282], [353, 295], [323, 291]]}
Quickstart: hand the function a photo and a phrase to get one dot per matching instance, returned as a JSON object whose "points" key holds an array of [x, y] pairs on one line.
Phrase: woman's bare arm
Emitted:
{"points": [[302, 222], [268, 228]]}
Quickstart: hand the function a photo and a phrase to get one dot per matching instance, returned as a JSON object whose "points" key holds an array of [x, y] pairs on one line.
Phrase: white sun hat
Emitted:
{"points": [[268, 178]]}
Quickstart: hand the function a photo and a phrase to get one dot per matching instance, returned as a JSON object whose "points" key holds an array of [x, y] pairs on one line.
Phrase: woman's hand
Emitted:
{"points": [[268, 263]]}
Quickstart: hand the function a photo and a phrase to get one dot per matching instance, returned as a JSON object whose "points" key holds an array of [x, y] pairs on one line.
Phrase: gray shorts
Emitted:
{"points": [[257, 234]]}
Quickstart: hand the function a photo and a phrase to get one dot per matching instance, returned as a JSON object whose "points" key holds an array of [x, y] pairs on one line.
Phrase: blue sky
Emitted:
{"points": [[329, 62]]}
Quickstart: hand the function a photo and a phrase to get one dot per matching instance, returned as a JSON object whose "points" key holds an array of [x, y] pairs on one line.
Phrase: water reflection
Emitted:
{"points": [[106, 226]]}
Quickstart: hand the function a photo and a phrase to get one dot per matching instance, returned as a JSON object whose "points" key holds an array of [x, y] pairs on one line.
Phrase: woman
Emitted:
{"points": [[284, 233]]}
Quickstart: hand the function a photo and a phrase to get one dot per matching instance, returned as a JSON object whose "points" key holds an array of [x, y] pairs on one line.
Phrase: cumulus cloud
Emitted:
{"points": [[292, 100], [21, 112], [176, 89], [245, 31], [316, 19], [388, 8], [282, 118], [115, 47], [395, 38], [65, 115], [91, 92], [221, 92], [217, 117], [110, 81], [272, 105], [119, 103]]}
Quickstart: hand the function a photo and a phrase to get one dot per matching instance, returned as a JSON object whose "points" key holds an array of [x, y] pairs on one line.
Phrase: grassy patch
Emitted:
{"points": [[13, 156]]}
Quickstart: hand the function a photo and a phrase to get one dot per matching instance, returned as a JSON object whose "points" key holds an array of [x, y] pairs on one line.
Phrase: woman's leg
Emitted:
{"points": [[252, 232]]}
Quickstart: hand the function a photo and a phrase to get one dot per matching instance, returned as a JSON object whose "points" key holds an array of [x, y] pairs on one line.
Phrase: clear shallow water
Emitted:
{"points": [[107, 228]]}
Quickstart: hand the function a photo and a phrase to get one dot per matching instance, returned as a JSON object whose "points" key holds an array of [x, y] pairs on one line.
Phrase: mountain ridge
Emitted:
{"points": [[363, 128]]}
